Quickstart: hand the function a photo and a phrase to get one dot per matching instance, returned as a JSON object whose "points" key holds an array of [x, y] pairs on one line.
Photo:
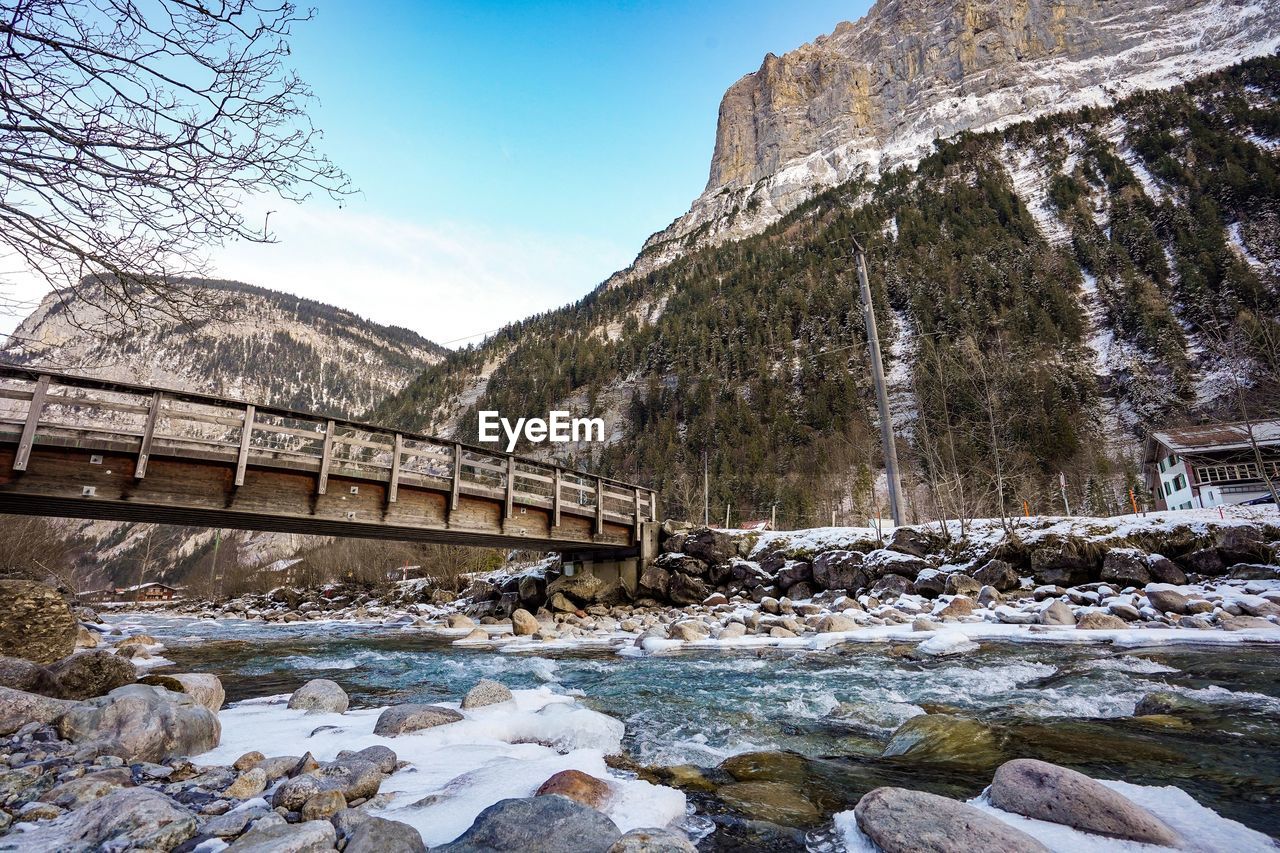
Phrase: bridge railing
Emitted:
{"points": [[42, 408]]}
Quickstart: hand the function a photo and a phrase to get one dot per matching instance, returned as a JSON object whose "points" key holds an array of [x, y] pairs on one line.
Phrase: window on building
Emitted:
{"points": [[1173, 459], [1161, 466], [1180, 482], [1168, 489]]}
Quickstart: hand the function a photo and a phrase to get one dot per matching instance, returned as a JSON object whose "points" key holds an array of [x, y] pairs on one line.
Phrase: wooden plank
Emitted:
{"points": [[394, 486], [246, 436], [511, 487], [144, 450], [457, 476], [638, 518], [653, 505], [33, 420], [555, 500], [599, 507], [325, 455], [94, 403]]}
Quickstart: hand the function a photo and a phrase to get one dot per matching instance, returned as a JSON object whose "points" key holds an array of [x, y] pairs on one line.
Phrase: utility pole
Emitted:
{"points": [[706, 494], [882, 393]]}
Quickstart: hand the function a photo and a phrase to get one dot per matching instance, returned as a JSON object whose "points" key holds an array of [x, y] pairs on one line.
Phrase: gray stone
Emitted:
{"points": [[655, 581], [92, 673], [1056, 794], [382, 757], [930, 583], [548, 824], [1249, 572], [1126, 566], [1245, 623], [1164, 570], [233, 823], [250, 783], [711, 546], [523, 624], [36, 622], [1098, 621], [1057, 613], [89, 787], [839, 570], [486, 692], [127, 819], [686, 589], [17, 708], [313, 836], [1064, 563], [379, 835], [891, 586], [903, 821], [320, 696], [835, 623], [958, 583], [653, 840], [998, 574], [402, 719], [204, 687], [1167, 600], [143, 723], [27, 676]]}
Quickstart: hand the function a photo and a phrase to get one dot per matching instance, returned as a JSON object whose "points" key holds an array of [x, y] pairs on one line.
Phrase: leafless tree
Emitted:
{"points": [[34, 548], [133, 131]]}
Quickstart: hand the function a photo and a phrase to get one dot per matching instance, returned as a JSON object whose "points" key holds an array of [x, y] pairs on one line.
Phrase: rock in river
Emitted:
{"points": [[17, 708], [552, 824], [1046, 791], [402, 719], [577, 786], [92, 673], [903, 821], [486, 692], [143, 723], [379, 835], [320, 695], [945, 738]]}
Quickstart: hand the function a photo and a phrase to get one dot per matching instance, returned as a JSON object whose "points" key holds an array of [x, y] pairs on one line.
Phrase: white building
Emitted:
{"points": [[1199, 467]]}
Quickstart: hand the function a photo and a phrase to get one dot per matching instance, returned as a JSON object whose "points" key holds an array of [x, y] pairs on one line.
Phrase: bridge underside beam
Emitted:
{"points": [[80, 483]]}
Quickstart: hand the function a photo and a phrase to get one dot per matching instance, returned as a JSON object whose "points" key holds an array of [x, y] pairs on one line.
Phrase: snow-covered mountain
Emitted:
{"points": [[875, 94], [244, 342]]}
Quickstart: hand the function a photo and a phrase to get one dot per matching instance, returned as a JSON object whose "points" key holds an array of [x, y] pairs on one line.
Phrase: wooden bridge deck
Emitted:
{"points": [[89, 448]]}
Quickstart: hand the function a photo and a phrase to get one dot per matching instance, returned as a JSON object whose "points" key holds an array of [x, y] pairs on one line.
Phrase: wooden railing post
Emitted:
{"points": [[511, 486], [638, 517], [653, 505], [25, 443], [325, 456], [144, 450], [246, 435], [457, 476], [555, 498], [394, 486], [599, 506]]}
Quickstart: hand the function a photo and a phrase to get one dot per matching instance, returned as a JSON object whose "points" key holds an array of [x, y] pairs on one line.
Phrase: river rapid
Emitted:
{"points": [[817, 724]]}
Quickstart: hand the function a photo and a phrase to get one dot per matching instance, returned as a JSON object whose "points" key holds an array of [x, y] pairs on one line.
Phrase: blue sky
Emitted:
{"points": [[510, 155]]}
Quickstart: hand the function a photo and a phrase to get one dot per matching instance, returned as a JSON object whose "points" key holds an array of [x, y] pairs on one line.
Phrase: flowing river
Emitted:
{"points": [[816, 724]]}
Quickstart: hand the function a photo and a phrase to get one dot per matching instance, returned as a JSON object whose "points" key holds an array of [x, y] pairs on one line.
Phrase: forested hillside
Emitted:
{"points": [[1047, 293]]}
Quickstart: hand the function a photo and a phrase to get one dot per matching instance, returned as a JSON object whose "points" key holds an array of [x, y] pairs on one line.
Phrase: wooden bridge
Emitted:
{"points": [[90, 448]]}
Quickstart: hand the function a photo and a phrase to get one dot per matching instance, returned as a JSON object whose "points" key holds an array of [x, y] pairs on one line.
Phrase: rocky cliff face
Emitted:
{"points": [[875, 94]]}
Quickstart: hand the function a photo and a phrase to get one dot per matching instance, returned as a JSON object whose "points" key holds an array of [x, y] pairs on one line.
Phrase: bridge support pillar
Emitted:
{"points": [[623, 569]]}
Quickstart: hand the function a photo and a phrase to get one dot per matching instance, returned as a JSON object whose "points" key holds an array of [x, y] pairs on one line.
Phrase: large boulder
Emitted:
{"points": [[958, 583], [1057, 613], [883, 562], [793, 572], [911, 540], [1126, 567], [36, 623], [1206, 561], [839, 570], [653, 840], [1098, 621], [655, 582], [903, 821], [379, 835], [355, 778], [312, 836], [686, 589], [92, 673], [582, 589], [1166, 600], [320, 696], [126, 819], [1044, 791], [1164, 570], [403, 719], [999, 575], [551, 824], [930, 583], [204, 687], [1065, 563], [18, 707], [27, 676], [682, 563], [712, 546], [523, 623], [1244, 545], [138, 722]]}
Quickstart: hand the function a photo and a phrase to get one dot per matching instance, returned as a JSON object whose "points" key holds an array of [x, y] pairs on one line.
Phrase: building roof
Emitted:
{"points": [[1207, 438]]}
